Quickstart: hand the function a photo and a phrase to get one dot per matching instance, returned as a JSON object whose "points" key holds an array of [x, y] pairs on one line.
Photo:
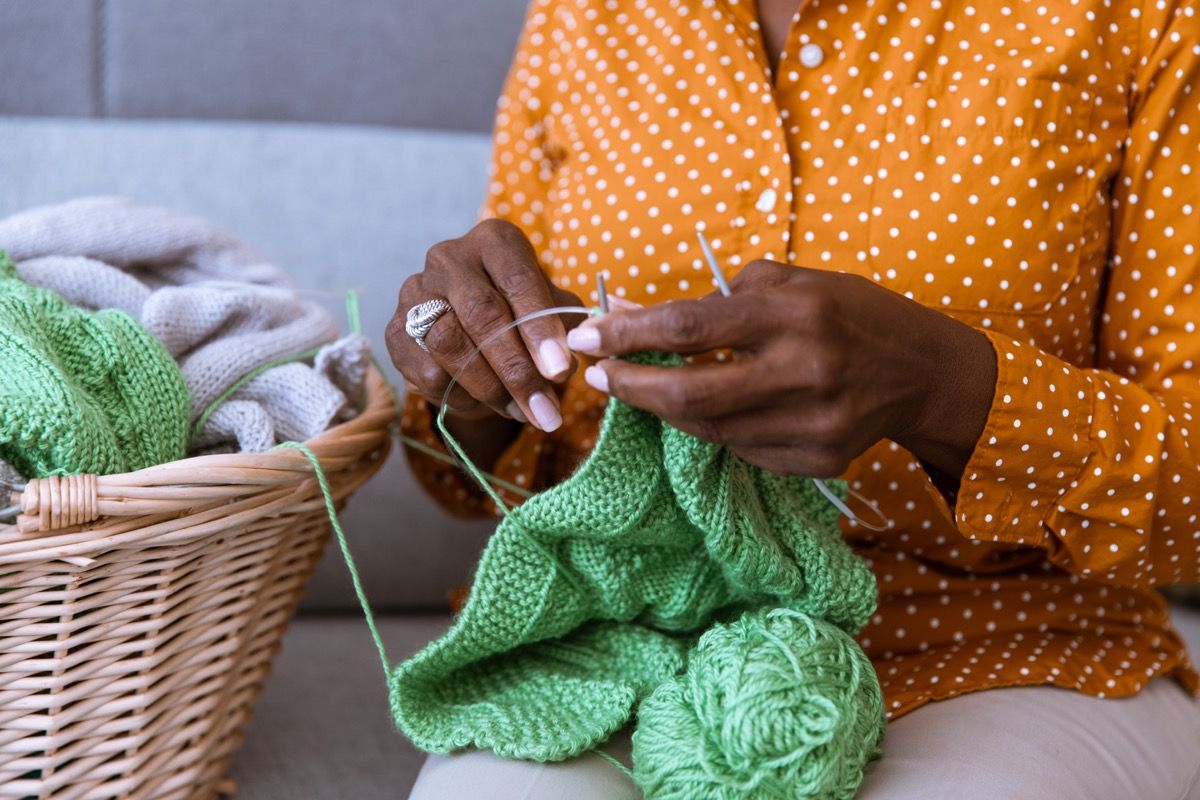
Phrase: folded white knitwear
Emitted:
{"points": [[217, 306]]}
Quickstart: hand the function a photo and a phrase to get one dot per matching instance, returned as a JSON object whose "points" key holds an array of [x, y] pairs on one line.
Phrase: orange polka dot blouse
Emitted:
{"points": [[1029, 168]]}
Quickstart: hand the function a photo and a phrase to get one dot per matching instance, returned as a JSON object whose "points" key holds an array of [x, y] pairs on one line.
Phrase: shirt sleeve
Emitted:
{"points": [[1100, 467], [519, 181]]}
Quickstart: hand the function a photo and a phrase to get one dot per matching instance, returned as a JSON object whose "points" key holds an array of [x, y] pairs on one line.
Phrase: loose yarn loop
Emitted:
{"points": [[778, 704]]}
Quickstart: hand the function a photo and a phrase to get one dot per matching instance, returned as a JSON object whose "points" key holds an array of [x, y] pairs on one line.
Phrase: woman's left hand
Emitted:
{"points": [[824, 365]]}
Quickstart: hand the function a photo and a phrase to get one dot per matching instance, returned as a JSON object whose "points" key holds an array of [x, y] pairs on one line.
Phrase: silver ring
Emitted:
{"points": [[421, 318]]}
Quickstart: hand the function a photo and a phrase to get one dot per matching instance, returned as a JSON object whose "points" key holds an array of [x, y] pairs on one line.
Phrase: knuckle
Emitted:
{"points": [[482, 311], [494, 229], [516, 282], [819, 307], [394, 330], [698, 399], [492, 393], [826, 463], [517, 372], [446, 340], [408, 289], [688, 399], [835, 427], [826, 368], [762, 272], [674, 400], [440, 256], [687, 325], [710, 430], [432, 378]]}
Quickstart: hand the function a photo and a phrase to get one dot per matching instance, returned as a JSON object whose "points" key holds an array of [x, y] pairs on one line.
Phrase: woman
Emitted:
{"points": [[965, 245]]}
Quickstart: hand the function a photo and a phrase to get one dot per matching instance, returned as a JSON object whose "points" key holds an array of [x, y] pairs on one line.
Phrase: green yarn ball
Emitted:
{"points": [[777, 704]]}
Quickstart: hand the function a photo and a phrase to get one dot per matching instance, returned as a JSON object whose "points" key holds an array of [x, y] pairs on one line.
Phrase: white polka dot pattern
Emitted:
{"points": [[1028, 168]]}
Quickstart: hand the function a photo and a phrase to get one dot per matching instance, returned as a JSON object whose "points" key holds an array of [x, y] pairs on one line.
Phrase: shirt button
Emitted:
{"points": [[811, 55], [766, 200]]}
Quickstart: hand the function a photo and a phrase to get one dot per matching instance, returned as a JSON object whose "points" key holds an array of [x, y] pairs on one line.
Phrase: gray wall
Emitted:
{"points": [[432, 64]]}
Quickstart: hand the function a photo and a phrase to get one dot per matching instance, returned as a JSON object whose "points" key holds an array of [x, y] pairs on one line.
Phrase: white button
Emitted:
{"points": [[811, 55], [766, 200]]}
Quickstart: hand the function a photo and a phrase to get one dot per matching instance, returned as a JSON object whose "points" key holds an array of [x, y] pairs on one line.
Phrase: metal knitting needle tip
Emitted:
{"points": [[709, 256], [11, 511], [601, 293]]}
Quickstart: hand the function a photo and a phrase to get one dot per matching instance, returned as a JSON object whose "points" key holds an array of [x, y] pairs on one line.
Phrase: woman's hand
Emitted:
{"points": [[490, 276], [825, 364]]}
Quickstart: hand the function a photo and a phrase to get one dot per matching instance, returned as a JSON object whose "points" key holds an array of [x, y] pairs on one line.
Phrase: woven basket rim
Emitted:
{"points": [[131, 504]]}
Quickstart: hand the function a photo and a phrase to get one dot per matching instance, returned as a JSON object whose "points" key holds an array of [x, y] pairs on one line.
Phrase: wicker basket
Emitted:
{"points": [[141, 611]]}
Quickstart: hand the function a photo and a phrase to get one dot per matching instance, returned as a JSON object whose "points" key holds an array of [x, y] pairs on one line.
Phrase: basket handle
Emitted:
{"points": [[344, 546], [58, 502]]}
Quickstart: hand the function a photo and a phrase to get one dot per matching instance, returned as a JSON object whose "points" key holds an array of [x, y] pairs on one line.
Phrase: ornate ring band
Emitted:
{"points": [[421, 317]]}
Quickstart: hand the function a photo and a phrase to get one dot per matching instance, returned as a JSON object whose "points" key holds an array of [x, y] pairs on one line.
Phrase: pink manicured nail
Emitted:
{"points": [[596, 378], [621, 302], [554, 359], [515, 412], [545, 412], [584, 339]]}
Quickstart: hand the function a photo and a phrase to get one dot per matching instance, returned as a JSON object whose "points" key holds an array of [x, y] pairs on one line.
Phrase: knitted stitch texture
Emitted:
{"points": [[217, 306], [83, 392], [590, 594]]}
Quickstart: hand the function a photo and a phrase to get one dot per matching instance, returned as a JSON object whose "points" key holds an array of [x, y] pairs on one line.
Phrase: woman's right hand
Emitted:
{"points": [[490, 276]]}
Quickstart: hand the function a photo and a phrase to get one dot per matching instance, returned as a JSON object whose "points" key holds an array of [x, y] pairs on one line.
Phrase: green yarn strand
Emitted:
{"points": [[465, 462], [232, 389], [421, 447], [343, 545]]}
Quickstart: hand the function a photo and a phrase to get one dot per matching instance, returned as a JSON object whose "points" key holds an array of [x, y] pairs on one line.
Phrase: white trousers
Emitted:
{"points": [[1002, 744]]}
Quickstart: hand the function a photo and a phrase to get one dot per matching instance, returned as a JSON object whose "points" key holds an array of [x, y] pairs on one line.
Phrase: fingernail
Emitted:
{"points": [[621, 302], [516, 413], [596, 378], [584, 339], [545, 413], [554, 358]]}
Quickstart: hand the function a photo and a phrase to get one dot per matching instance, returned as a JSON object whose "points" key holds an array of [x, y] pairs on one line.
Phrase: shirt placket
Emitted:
{"points": [[762, 226], [800, 68]]}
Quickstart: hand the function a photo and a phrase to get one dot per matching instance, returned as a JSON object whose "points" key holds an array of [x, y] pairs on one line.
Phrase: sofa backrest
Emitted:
{"points": [[386, 62], [338, 204]]}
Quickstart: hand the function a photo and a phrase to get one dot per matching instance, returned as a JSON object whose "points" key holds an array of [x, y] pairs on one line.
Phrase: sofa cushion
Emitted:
{"points": [[322, 729]]}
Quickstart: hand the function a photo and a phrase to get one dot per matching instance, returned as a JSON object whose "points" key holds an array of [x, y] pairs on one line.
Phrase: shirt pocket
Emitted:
{"points": [[980, 190]]}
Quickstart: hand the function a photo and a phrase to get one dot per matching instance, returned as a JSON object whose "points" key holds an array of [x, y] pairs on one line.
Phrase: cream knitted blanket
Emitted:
{"points": [[220, 309]]}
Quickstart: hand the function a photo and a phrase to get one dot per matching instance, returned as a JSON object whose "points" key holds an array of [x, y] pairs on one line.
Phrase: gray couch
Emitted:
{"points": [[341, 207], [342, 139]]}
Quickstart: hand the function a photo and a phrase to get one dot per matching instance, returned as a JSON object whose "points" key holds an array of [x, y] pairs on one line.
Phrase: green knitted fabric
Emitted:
{"points": [[590, 595], [83, 392]]}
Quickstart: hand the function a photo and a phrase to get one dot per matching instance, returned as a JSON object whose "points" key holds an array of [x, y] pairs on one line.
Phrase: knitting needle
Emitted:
{"points": [[601, 293], [824, 489], [13, 510], [722, 284]]}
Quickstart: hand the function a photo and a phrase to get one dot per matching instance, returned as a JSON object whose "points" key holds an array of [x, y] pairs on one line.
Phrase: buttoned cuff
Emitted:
{"points": [[1033, 446]]}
